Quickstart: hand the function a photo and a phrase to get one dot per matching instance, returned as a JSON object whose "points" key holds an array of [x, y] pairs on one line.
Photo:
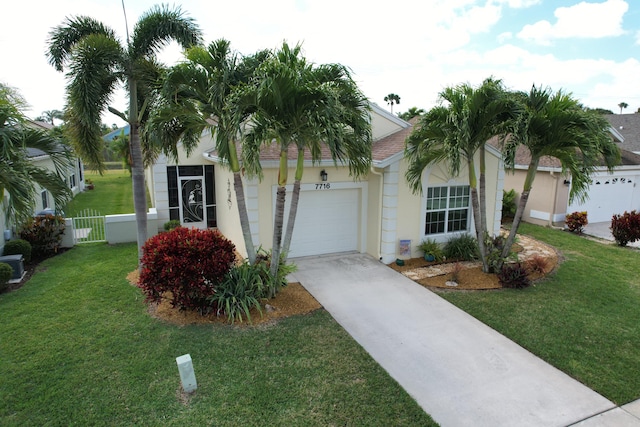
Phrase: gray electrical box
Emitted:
{"points": [[17, 263]]}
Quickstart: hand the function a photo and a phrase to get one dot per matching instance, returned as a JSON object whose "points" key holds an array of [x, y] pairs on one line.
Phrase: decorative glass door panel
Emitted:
{"points": [[192, 202]]}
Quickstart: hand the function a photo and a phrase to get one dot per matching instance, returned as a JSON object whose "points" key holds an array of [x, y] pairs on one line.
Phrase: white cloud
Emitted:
{"points": [[519, 4], [583, 20]]}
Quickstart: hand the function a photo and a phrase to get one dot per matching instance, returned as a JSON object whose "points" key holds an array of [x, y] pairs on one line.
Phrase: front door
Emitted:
{"points": [[191, 201]]}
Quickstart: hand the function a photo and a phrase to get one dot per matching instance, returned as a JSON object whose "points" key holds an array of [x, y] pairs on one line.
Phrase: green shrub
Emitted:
{"points": [[187, 262], [239, 292], [576, 221], [462, 248], [5, 275], [18, 246], [513, 276], [626, 227], [170, 225], [272, 285], [44, 233], [508, 204], [431, 249]]}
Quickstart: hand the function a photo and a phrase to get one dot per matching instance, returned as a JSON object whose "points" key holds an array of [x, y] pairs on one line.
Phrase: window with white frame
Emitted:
{"points": [[447, 209], [45, 199], [72, 180]]}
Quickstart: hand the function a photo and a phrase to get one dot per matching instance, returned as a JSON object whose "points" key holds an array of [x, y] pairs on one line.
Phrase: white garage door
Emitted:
{"points": [[607, 196], [327, 222]]}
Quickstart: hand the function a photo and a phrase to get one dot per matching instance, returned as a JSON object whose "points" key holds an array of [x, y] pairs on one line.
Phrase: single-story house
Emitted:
{"points": [[609, 193], [336, 214], [73, 176]]}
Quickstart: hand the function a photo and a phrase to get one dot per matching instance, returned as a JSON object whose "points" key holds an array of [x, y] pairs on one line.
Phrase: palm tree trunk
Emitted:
{"points": [[295, 197], [293, 211], [522, 204], [278, 219], [137, 169], [483, 191], [475, 206], [244, 217]]}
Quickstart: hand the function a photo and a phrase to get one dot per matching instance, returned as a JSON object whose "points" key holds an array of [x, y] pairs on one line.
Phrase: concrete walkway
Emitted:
{"points": [[459, 370], [601, 230]]}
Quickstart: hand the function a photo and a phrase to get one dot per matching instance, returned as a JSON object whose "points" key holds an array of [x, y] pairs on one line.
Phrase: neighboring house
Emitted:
{"points": [[74, 177], [335, 214], [609, 193], [627, 125]]}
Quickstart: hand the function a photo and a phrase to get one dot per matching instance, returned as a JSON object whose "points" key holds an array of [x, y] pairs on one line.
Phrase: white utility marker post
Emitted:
{"points": [[187, 375]]}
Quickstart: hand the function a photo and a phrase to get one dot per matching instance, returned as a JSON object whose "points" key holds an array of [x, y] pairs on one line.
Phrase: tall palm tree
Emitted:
{"points": [[622, 106], [455, 134], [18, 175], [97, 62], [391, 99], [297, 104], [556, 125], [198, 95]]}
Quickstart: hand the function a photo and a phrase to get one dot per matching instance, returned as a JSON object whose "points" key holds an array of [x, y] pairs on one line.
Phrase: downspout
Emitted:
{"points": [[554, 202], [381, 204]]}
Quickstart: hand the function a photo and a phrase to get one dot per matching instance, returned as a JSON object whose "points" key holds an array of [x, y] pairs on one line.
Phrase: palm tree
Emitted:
{"points": [[622, 106], [97, 62], [411, 113], [299, 105], [391, 99], [457, 133], [18, 175], [198, 95], [556, 125], [50, 115]]}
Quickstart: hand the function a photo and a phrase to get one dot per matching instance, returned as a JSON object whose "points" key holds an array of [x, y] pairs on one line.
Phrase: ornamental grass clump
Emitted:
{"points": [[462, 248], [187, 263]]}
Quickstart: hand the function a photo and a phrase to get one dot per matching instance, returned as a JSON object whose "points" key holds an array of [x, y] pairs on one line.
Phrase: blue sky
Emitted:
{"points": [[409, 47]]}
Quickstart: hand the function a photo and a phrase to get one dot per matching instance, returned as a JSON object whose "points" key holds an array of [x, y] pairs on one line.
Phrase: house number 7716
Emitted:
{"points": [[323, 186]]}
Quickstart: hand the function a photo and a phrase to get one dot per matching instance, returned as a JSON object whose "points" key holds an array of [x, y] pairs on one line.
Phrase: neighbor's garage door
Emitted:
{"points": [[607, 196], [327, 222]]}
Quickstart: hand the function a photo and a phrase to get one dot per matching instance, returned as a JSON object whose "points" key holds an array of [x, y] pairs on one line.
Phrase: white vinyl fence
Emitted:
{"points": [[90, 226]]}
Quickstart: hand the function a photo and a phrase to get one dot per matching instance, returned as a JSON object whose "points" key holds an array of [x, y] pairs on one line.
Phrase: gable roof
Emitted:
{"points": [[385, 150], [628, 125]]}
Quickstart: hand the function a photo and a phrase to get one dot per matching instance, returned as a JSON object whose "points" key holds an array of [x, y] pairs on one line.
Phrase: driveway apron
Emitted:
{"points": [[459, 370]]}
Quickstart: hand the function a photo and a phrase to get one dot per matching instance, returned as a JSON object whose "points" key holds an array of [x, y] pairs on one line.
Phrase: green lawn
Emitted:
{"points": [[113, 194], [78, 348], [584, 320]]}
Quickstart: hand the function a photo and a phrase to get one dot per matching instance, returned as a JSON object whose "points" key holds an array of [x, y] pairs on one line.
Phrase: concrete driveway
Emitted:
{"points": [[459, 370]]}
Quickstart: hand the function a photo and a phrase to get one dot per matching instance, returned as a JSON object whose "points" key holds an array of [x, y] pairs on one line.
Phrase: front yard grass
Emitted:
{"points": [[78, 348], [584, 319], [113, 194]]}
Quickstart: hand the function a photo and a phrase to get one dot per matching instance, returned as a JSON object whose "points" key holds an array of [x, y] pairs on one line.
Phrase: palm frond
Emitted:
{"points": [[159, 26]]}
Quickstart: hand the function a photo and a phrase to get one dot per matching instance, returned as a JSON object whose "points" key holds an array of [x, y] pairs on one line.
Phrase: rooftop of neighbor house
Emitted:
{"points": [[628, 125]]}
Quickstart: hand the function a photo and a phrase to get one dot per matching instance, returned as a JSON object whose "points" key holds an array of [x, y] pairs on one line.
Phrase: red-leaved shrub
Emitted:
{"points": [[188, 263], [576, 221], [626, 227]]}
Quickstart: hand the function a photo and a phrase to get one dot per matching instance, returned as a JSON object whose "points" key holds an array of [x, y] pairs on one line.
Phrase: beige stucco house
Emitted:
{"points": [[370, 215], [609, 193]]}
